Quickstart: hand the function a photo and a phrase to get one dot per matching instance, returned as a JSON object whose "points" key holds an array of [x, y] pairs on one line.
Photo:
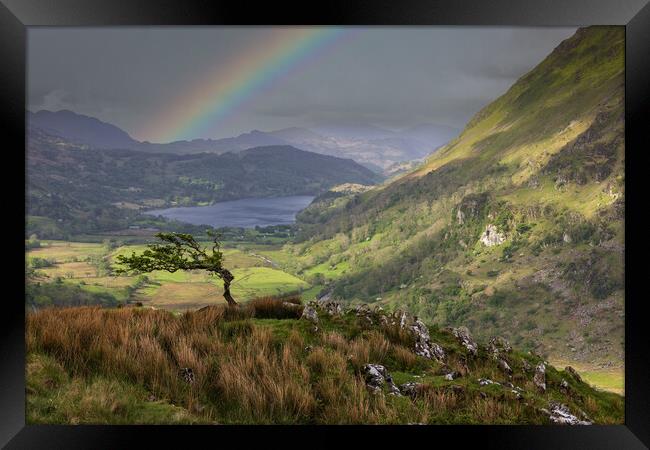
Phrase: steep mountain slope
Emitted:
{"points": [[513, 228], [88, 188]]}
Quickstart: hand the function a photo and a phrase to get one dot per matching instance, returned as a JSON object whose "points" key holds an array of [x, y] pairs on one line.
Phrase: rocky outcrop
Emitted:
{"points": [[466, 340], [415, 327], [452, 375], [560, 414], [187, 375], [423, 345], [328, 307], [518, 392], [539, 378], [460, 217], [331, 307], [309, 313], [575, 375], [376, 375], [491, 236], [565, 388], [504, 366], [410, 389], [470, 207], [499, 345], [364, 312]]}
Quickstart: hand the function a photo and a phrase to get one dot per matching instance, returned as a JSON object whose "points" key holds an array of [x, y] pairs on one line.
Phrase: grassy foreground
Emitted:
{"points": [[260, 363]]}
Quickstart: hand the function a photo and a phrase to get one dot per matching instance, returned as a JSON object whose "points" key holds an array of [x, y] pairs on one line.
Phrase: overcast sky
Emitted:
{"points": [[387, 76]]}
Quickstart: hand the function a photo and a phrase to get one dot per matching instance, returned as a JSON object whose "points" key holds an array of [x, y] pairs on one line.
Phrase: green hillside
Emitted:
{"points": [[513, 228], [273, 362]]}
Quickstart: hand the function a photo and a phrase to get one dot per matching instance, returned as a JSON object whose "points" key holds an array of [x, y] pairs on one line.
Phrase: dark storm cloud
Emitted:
{"points": [[390, 76]]}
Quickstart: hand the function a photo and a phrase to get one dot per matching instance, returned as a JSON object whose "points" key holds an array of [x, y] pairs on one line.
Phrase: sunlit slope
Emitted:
{"points": [[514, 227], [547, 108]]}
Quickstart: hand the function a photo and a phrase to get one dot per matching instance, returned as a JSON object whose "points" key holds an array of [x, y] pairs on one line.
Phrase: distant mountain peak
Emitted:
{"points": [[81, 128]]}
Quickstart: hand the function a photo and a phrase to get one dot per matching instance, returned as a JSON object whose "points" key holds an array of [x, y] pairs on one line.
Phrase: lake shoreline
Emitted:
{"points": [[240, 213]]}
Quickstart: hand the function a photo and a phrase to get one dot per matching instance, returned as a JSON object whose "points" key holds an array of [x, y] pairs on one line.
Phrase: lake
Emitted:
{"points": [[245, 213]]}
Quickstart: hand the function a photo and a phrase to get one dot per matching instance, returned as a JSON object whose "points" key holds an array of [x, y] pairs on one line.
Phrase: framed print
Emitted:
{"points": [[255, 221]]}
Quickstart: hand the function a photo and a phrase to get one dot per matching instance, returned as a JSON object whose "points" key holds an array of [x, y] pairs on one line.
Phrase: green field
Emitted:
{"points": [[67, 251], [259, 281], [75, 263], [605, 379]]}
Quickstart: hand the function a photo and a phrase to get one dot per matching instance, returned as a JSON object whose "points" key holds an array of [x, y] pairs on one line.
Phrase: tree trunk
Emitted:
{"points": [[226, 293], [227, 277]]}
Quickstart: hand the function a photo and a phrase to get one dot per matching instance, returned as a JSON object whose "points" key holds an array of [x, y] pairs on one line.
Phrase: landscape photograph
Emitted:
{"points": [[287, 225]]}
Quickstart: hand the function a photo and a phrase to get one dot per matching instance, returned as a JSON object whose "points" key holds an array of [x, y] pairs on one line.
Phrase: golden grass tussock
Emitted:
{"points": [[334, 340], [276, 307], [295, 340], [438, 400], [358, 353], [262, 381], [325, 362], [492, 410], [403, 356], [266, 384], [371, 347], [398, 335], [591, 405], [378, 346]]}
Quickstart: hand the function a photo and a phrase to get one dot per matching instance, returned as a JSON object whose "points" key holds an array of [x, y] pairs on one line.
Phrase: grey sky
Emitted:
{"points": [[388, 76]]}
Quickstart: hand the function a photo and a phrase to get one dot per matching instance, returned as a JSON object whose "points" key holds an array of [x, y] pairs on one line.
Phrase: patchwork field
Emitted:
{"points": [[67, 251], [90, 266]]}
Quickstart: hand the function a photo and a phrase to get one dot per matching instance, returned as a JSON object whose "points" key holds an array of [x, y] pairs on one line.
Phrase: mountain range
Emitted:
{"points": [[374, 147]]}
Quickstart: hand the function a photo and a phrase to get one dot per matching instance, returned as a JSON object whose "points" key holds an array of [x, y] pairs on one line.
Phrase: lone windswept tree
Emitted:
{"points": [[180, 251]]}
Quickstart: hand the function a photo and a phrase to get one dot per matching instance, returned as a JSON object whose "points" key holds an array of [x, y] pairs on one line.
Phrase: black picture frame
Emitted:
{"points": [[16, 15]]}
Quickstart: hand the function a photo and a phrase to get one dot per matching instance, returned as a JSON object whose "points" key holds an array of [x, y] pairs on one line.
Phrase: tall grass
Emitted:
{"points": [[241, 373], [245, 370]]}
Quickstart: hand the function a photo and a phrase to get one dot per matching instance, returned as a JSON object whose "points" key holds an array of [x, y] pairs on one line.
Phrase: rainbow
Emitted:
{"points": [[219, 94]]}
